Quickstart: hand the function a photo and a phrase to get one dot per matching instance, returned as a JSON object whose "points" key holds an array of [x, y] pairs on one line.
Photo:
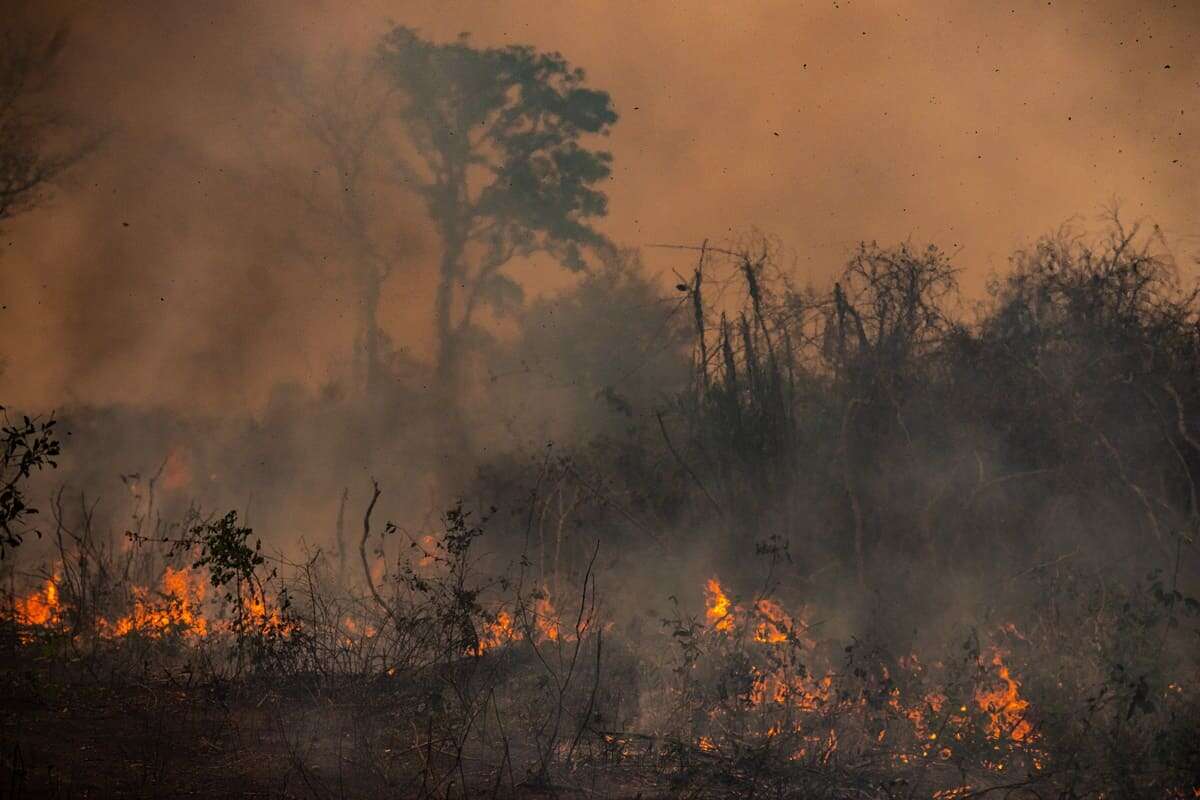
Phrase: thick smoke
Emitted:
{"points": [[794, 472], [185, 300], [169, 270]]}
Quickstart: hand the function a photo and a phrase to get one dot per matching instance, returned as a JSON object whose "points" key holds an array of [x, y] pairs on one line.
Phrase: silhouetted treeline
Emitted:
{"points": [[1071, 399], [887, 423]]}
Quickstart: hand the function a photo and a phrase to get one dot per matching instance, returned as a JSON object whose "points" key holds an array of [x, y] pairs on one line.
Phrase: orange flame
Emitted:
{"points": [[264, 617], [42, 608], [428, 546], [774, 623], [718, 609], [176, 608], [1004, 706], [543, 623], [546, 617], [354, 628], [495, 634]]}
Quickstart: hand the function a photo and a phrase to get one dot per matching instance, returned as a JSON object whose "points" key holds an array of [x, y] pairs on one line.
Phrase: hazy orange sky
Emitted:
{"points": [[162, 270]]}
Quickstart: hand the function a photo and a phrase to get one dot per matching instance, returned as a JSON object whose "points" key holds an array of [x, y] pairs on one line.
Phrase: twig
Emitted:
{"points": [[696, 478], [362, 548]]}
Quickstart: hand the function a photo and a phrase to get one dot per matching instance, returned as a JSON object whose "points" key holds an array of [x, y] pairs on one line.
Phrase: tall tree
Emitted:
{"points": [[495, 151], [342, 108]]}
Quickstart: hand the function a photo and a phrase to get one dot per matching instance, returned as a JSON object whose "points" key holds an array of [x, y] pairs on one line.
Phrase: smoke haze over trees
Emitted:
{"points": [[1026, 117], [800, 400]]}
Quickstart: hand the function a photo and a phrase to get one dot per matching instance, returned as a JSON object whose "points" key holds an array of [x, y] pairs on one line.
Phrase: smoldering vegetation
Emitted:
{"points": [[733, 534], [846, 541]]}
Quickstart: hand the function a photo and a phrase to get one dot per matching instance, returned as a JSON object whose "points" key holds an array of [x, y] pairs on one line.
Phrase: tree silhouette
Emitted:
{"points": [[496, 154], [341, 107], [26, 167]]}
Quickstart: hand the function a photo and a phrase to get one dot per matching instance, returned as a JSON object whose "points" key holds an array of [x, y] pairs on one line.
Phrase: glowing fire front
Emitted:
{"points": [[179, 605], [782, 681], [174, 607], [719, 609], [1004, 706], [494, 634], [41, 608], [541, 620], [774, 624]]}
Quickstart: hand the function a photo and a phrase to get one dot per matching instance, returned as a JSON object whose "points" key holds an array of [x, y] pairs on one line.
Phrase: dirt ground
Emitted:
{"points": [[68, 733]]}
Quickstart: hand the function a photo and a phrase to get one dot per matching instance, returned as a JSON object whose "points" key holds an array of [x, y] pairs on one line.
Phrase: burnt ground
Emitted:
{"points": [[68, 732], [83, 739]]}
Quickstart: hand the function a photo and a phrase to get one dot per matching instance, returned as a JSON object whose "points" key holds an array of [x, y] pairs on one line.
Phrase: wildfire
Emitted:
{"points": [[264, 617], [354, 628], [546, 617], [542, 624], [495, 634], [718, 607], [783, 683], [427, 546], [42, 608], [775, 624], [1004, 706], [798, 691], [176, 608]]}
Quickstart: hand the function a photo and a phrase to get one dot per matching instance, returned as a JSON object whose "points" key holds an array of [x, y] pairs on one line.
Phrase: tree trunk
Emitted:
{"points": [[369, 277], [372, 366], [453, 439]]}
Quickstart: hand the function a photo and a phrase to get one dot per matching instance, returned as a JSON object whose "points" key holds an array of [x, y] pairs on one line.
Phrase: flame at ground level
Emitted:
{"points": [[784, 680], [174, 607], [179, 605], [41, 608], [718, 607], [1005, 707]]}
